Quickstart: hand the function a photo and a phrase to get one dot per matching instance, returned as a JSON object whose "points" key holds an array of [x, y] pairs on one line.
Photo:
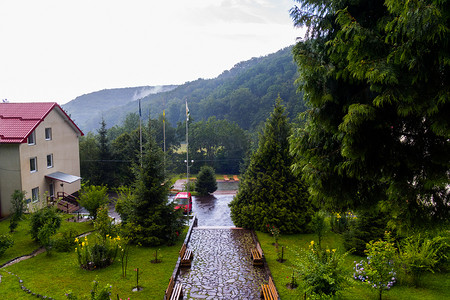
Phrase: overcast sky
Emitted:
{"points": [[56, 50]]}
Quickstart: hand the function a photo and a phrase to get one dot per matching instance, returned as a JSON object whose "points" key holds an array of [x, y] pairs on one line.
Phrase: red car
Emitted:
{"points": [[183, 200]]}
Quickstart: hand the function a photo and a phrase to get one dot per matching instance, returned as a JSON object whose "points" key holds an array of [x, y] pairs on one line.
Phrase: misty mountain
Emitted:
{"points": [[244, 94], [87, 110]]}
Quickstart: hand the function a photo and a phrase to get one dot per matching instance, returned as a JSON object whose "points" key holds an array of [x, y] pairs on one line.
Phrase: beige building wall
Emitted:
{"points": [[10, 179], [64, 146]]}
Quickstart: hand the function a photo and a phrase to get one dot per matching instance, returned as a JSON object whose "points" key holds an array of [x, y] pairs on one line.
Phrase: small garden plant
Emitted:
{"points": [[379, 270], [97, 253]]}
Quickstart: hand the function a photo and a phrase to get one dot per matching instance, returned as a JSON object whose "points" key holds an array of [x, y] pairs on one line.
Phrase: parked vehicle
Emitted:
{"points": [[183, 200]]}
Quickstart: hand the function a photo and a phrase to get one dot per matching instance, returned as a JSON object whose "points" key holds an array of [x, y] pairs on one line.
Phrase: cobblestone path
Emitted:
{"points": [[221, 268]]}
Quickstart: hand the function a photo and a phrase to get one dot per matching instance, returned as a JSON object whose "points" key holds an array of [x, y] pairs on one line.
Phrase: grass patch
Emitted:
{"points": [[434, 286], [53, 275], [23, 244]]}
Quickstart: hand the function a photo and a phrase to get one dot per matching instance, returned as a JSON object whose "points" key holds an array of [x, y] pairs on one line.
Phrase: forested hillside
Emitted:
{"points": [[86, 110], [244, 94]]}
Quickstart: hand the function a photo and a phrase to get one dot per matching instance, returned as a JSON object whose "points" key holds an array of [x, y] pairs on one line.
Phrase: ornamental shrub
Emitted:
{"points": [[379, 270], [104, 224], [419, 255], [46, 220], [5, 242], [97, 253], [64, 241], [206, 181], [92, 197], [323, 271]]}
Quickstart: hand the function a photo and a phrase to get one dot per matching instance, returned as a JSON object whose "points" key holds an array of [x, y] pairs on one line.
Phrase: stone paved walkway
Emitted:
{"points": [[221, 268]]}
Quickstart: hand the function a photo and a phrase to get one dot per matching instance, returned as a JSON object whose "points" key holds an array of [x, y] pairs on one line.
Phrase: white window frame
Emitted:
{"points": [[51, 161], [48, 134], [35, 164], [31, 140], [35, 194]]}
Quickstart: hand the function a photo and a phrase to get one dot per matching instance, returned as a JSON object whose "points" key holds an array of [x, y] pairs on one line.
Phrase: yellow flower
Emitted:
{"points": [[76, 240], [76, 249], [328, 250], [82, 244], [334, 250]]}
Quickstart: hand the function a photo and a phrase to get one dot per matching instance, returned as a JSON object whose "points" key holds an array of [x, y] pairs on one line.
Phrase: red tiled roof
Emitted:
{"points": [[18, 120]]}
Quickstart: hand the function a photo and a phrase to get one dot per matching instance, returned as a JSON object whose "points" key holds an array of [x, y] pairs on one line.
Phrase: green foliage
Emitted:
{"points": [[17, 209], [151, 219], [322, 271], [6, 242], [221, 143], [269, 192], [65, 240], [206, 181], [318, 226], [97, 253], [341, 222], [104, 224], [380, 269], [89, 154], [93, 197], [96, 294], [376, 76], [366, 227], [124, 203], [18, 205], [43, 224], [420, 254]]}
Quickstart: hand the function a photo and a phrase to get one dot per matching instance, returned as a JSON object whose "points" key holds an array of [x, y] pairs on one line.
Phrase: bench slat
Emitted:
{"points": [[177, 292], [269, 291]]}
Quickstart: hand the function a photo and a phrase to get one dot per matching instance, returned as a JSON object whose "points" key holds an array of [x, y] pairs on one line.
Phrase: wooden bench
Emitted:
{"points": [[174, 291], [269, 291], [257, 255], [186, 256]]}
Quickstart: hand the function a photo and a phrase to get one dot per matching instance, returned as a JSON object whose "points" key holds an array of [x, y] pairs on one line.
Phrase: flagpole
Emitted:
{"points": [[164, 137], [187, 148], [140, 129]]}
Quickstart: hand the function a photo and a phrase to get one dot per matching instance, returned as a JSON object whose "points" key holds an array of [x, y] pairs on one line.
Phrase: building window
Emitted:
{"points": [[35, 194], [50, 161], [48, 134], [33, 164], [32, 139]]}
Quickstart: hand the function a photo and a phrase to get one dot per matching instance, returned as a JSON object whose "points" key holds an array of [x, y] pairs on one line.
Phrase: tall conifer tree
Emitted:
{"points": [[270, 194], [376, 75], [152, 220]]}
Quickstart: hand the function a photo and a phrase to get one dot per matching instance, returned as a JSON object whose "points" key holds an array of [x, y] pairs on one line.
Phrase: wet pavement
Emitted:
{"points": [[213, 210], [222, 267]]}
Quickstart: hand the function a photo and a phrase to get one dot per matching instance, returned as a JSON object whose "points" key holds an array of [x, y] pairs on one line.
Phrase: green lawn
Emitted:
{"points": [[52, 275], [434, 286]]}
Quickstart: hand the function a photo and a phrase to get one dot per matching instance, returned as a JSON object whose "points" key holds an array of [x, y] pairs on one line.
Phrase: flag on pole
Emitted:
{"points": [[140, 114], [187, 112]]}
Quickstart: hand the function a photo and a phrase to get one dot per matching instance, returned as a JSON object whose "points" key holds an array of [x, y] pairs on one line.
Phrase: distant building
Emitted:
{"points": [[39, 153]]}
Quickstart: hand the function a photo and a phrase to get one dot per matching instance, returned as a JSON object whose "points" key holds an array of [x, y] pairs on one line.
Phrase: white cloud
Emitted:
{"points": [[55, 50]]}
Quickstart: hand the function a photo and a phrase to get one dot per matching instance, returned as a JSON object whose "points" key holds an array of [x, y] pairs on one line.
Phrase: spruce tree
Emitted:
{"points": [[152, 220], [270, 194], [206, 181]]}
